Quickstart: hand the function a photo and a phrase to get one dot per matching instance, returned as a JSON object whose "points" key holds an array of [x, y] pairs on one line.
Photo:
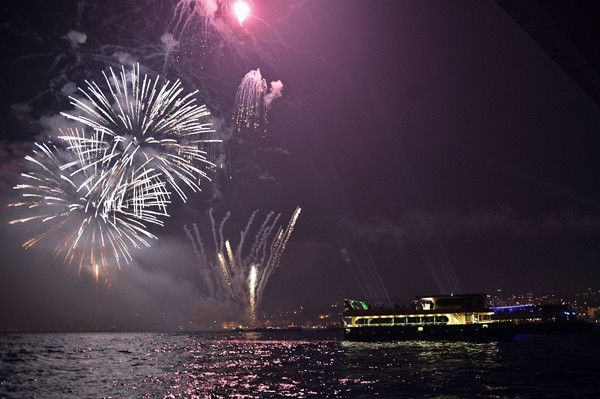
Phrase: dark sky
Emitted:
{"points": [[433, 147]]}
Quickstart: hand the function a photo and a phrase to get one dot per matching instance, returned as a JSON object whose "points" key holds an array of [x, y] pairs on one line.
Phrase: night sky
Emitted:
{"points": [[433, 147]]}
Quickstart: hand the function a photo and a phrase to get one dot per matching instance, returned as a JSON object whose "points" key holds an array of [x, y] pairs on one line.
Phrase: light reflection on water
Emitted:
{"points": [[426, 369], [251, 368], [301, 365]]}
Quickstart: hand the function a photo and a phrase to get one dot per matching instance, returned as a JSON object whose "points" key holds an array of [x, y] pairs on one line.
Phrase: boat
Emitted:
{"points": [[543, 319], [464, 317]]}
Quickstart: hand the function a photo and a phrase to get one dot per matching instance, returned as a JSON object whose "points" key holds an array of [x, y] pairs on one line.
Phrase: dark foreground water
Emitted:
{"points": [[293, 364]]}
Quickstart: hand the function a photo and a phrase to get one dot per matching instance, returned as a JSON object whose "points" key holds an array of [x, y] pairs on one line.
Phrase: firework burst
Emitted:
{"points": [[145, 122], [241, 275], [109, 179], [92, 220]]}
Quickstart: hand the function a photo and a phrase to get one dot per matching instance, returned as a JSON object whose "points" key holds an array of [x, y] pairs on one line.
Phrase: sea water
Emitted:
{"points": [[295, 364]]}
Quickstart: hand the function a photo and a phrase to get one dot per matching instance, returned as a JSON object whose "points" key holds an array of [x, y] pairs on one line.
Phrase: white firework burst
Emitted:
{"points": [[93, 220], [144, 121]]}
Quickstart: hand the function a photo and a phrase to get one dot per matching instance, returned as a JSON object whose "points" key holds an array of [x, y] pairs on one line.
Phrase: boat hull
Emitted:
{"points": [[490, 332]]}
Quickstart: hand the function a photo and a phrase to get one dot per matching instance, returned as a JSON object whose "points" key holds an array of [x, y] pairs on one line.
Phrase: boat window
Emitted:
{"points": [[441, 319], [428, 319], [385, 320], [361, 322], [414, 319], [399, 320]]}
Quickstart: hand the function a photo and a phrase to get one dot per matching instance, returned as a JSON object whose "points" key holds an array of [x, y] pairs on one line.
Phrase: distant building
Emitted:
{"points": [[585, 302]]}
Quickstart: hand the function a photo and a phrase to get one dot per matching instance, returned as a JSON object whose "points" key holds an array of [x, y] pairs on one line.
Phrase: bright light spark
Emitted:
{"points": [[241, 10], [252, 289]]}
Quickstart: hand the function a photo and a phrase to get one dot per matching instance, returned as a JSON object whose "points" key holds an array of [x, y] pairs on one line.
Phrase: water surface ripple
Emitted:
{"points": [[294, 365]]}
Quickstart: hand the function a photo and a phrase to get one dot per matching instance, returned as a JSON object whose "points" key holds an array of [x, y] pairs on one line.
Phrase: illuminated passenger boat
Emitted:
{"points": [[442, 317], [543, 319]]}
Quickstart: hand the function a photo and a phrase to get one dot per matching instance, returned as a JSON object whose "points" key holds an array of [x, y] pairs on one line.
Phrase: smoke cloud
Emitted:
{"points": [[76, 38], [274, 93]]}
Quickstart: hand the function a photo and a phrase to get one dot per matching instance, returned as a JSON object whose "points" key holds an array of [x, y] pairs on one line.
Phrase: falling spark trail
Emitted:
{"points": [[252, 100], [249, 108]]}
